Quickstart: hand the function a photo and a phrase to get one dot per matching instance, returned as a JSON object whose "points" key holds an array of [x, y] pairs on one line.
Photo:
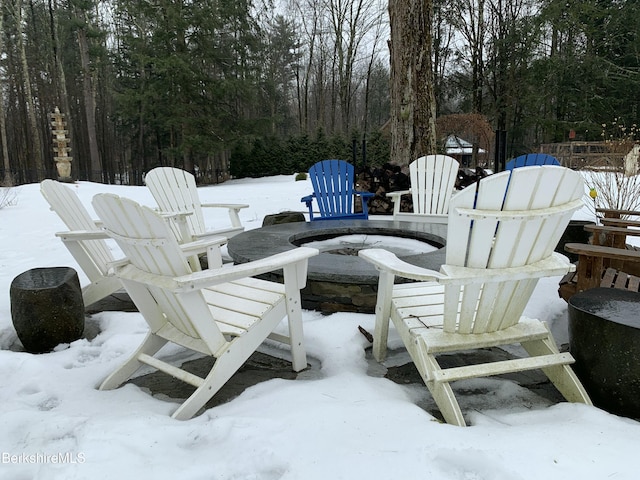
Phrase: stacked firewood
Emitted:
{"points": [[390, 178]]}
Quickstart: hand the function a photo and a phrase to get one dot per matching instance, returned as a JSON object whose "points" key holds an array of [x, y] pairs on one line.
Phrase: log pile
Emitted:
{"points": [[390, 178]]}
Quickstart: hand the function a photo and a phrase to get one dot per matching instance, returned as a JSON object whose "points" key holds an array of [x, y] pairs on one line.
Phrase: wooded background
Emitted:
{"points": [[250, 88]]}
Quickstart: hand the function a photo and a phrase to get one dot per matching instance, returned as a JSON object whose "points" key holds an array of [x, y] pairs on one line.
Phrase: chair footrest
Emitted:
{"points": [[176, 372], [505, 366]]}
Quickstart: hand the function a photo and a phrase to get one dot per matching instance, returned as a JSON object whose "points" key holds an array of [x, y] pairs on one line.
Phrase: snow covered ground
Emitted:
{"points": [[344, 424]]}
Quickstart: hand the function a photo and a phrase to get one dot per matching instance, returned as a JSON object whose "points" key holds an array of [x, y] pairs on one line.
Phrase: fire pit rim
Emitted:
{"points": [[262, 242]]}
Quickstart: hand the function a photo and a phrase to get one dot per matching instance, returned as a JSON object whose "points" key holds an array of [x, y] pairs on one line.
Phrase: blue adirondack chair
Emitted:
{"points": [[334, 190], [531, 159]]}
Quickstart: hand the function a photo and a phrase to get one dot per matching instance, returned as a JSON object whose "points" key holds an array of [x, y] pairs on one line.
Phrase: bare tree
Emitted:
{"points": [[413, 111], [469, 20], [35, 159], [3, 126], [89, 96], [341, 38]]}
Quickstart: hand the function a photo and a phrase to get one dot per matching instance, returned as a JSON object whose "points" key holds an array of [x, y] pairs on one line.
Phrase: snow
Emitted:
{"points": [[344, 422]]}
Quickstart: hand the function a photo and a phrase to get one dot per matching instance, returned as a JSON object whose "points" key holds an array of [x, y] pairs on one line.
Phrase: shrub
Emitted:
{"points": [[8, 194], [614, 181], [301, 176]]}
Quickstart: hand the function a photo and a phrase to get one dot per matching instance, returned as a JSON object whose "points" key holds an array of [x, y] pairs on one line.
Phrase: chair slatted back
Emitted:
{"points": [[151, 247], [432, 181], [175, 190], [531, 159], [75, 216], [512, 219], [333, 185]]}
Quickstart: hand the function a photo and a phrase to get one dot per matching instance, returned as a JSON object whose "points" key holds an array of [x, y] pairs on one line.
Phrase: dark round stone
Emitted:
{"points": [[47, 308], [283, 217]]}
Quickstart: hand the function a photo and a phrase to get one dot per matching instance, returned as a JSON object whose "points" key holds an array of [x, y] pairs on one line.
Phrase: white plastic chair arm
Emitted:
{"points": [[199, 280], [79, 235], [178, 216], [395, 198], [201, 246], [224, 232], [232, 206], [397, 194], [233, 211], [554, 265], [210, 246], [387, 261]]}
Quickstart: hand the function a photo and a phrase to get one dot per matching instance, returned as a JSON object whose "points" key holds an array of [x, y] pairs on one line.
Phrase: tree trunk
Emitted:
{"points": [[7, 180], [413, 110], [36, 162], [95, 165]]}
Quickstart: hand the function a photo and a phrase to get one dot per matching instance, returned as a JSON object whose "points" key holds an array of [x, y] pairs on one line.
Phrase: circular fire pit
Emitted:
{"points": [[339, 280]]}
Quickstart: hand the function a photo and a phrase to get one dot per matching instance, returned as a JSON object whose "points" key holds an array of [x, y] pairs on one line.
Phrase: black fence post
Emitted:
{"points": [[501, 151]]}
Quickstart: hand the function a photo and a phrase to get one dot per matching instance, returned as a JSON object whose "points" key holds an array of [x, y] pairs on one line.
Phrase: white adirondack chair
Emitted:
{"points": [[432, 184], [500, 241], [220, 312], [175, 192], [85, 241]]}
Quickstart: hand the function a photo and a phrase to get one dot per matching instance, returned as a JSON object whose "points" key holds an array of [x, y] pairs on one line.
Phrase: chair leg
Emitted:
{"points": [[446, 400], [383, 314], [225, 366], [562, 376], [214, 381], [100, 289], [150, 346], [441, 392], [227, 363], [294, 317]]}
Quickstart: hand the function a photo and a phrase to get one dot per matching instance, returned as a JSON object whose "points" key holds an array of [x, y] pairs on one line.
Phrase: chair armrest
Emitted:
{"points": [[221, 232], [210, 246], [365, 194], [79, 235], [383, 260], [552, 266], [395, 198], [201, 246], [231, 206], [387, 261], [178, 216], [619, 222], [206, 278], [233, 209], [308, 200], [604, 252], [612, 230], [616, 213], [397, 194]]}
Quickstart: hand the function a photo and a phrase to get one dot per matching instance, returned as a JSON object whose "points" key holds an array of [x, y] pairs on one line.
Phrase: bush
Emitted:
{"points": [[301, 176], [8, 194]]}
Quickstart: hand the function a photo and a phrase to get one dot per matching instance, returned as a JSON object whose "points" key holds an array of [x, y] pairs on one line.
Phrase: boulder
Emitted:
{"points": [[283, 217], [47, 308]]}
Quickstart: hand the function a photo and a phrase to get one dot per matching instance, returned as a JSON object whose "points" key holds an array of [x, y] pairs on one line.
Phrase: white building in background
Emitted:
{"points": [[461, 150]]}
